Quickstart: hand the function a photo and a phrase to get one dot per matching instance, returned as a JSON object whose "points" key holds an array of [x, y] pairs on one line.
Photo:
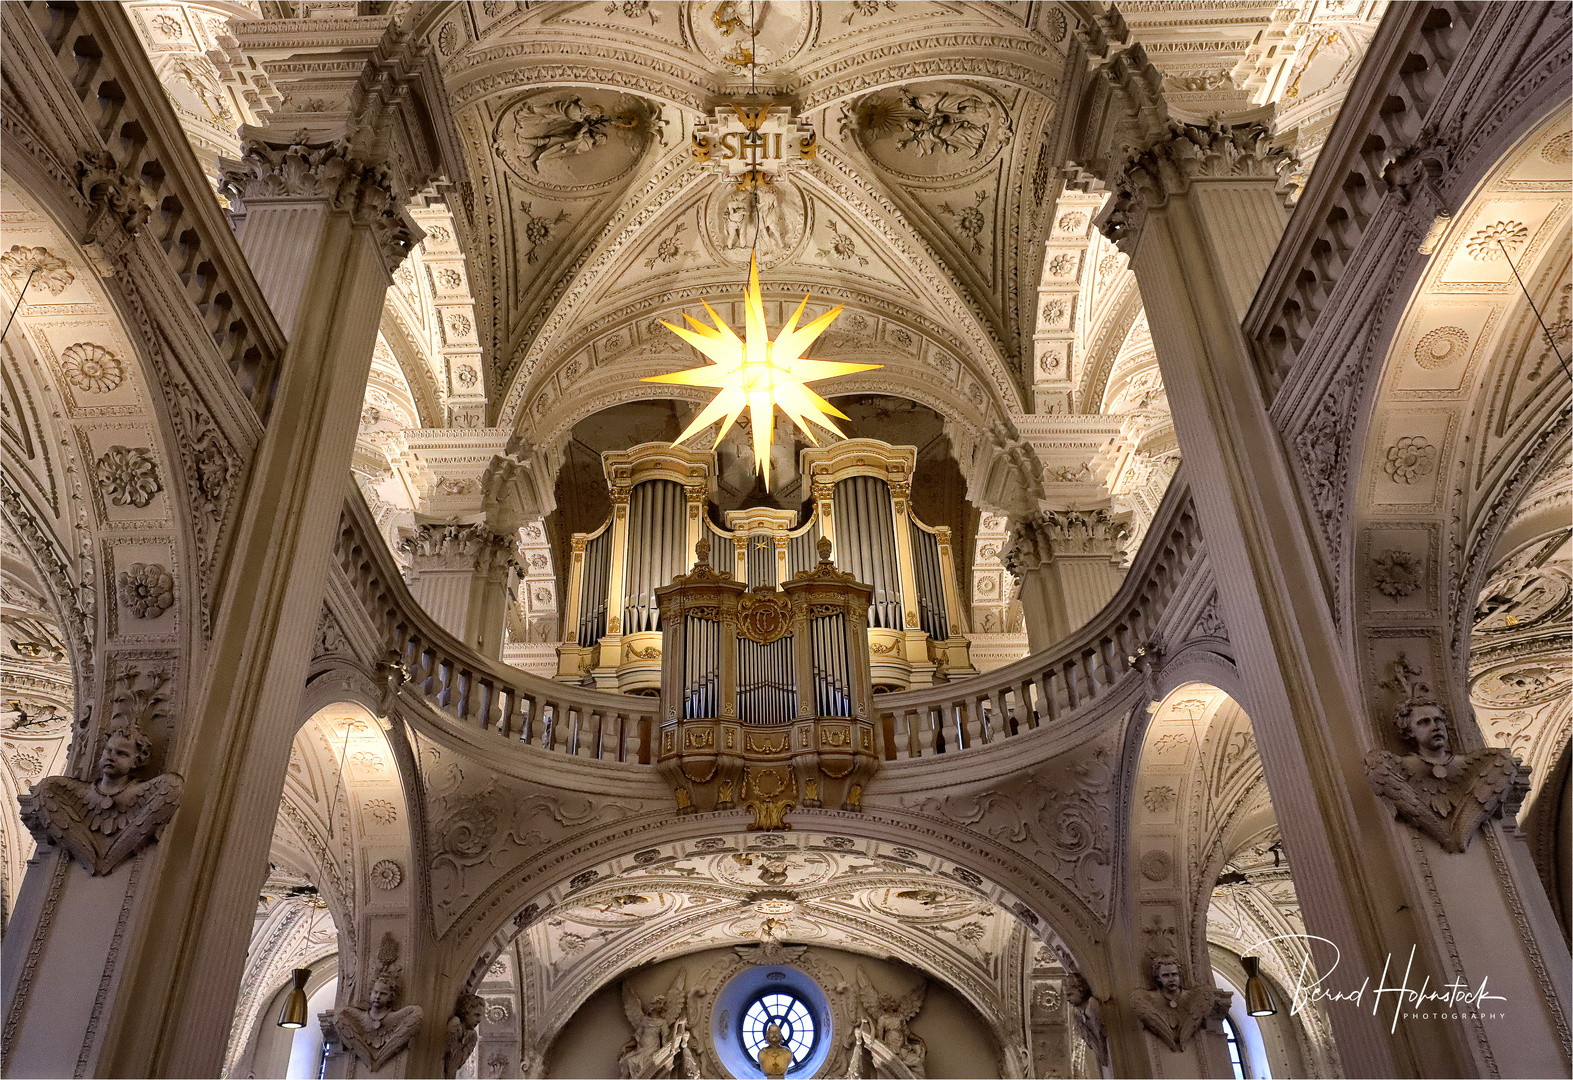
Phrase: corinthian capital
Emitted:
{"points": [[298, 169], [1182, 155], [476, 548], [1047, 535]]}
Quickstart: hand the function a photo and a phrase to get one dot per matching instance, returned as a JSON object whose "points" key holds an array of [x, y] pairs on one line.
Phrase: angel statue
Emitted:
{"points": [[661, 1047], [1089, 1017], [1445, 795], [379, 1033], [888, 1016], [1171, 1012], [103, 823], [463, 1032]]}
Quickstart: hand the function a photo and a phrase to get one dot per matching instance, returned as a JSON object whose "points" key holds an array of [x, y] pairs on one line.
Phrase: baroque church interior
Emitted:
{"points": [[867, 538]]}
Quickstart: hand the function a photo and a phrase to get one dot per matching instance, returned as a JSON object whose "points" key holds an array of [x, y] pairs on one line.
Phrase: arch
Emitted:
{"points": [[1461, 422], [1207, 868], [719, 885]]}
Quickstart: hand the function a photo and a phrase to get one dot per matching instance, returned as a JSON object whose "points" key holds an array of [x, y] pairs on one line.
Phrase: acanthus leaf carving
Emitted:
{"points": [[300, 169]]}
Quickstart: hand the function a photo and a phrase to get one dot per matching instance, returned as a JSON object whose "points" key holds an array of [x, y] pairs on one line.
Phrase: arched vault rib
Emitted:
{"points": [[916, 265]]}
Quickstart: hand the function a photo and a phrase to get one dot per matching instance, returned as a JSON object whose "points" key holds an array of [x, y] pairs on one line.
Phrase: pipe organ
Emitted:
{"points": [[765, 692], [861, 489]]}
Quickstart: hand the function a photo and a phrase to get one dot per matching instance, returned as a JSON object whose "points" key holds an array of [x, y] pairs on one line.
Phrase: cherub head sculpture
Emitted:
{"points": [[471, 1010], [1077, 990], [384, 995], [1166, 974], [127, 748], [658, 1005], [1423, 722]]}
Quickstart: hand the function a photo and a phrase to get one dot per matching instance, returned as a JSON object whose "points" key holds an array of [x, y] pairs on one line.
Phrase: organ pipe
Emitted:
{"points": [[861, 494]]}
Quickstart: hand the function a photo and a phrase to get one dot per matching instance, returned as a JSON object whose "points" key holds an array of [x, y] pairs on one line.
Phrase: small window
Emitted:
{"points": [[788, 1012], [1236, 1050]]}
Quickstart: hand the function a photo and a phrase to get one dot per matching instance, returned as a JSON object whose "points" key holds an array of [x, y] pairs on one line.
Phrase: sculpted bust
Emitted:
{"points": [[1445, 795], [1171, 1012], [1089, 1016], [103, 823], [463, 1032], [379, 1032]]}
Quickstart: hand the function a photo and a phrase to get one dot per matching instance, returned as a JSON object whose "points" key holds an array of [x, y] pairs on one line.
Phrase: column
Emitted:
{"points": [[324, 228], [1198, 213], [460, 576], [1068, 564]]}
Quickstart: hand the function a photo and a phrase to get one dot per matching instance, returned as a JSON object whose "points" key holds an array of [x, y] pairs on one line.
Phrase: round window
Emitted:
{"points": [[788, 1012]]}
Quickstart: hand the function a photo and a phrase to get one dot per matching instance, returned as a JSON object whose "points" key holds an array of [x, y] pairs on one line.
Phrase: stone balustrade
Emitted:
{"points": [[428, 663], [1051, 687], [1054, 685], [149, 175]]}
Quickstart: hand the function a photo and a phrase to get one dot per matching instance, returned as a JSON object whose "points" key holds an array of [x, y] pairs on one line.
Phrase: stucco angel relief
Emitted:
{"points": [[380, 1032], [104, 822], [1173, 1012], [662, 1046], [884, 1018]]}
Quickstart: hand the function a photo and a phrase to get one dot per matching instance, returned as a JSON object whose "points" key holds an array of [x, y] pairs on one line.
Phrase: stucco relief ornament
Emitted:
{"points": [[662, 1046], [1445, 795], [463, 1033], [379, 1033], [1171, 1012], [128, 475], [1089, 1016], [886, 1016], [103, 823]]}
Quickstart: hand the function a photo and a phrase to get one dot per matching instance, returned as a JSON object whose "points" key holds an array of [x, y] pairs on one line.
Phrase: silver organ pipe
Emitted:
{"points": [[701, 666], [832, 682], [803, 547], [723, 549], [930, 581], [657, 531], [592, 587], [766, 681], [761, 561], [866, 545], [861, 498]]}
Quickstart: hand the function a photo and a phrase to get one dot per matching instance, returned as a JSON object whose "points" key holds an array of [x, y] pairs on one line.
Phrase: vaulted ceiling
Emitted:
{"points": [[588, 219]]}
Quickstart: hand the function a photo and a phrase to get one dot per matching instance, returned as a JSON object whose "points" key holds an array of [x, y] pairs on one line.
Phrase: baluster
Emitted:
{"points": [[507, 704], [1072, 697], [931, 738], [1048, 708], [444, 668], [529, 717], [1007, 717], [1029, 707], [988, 721]]}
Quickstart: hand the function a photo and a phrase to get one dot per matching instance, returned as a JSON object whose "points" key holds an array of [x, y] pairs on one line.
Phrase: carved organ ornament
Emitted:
{"points": [[764, 693], [914, 624]]}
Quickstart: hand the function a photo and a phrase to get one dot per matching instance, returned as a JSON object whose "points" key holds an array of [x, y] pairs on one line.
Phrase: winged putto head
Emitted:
{"points": [[127, 748], [1166, 976]]}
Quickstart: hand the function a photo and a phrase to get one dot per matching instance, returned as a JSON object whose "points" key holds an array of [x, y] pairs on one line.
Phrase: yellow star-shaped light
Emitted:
{"points": [[758, 374]]}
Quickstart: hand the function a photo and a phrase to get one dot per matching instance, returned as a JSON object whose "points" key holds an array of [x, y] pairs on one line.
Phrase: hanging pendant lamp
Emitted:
{"points": [[1258, 999], [293, 1015]]}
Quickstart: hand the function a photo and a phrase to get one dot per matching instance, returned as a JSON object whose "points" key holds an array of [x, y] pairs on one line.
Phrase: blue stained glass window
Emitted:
{"points": [[788, 1012]]}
